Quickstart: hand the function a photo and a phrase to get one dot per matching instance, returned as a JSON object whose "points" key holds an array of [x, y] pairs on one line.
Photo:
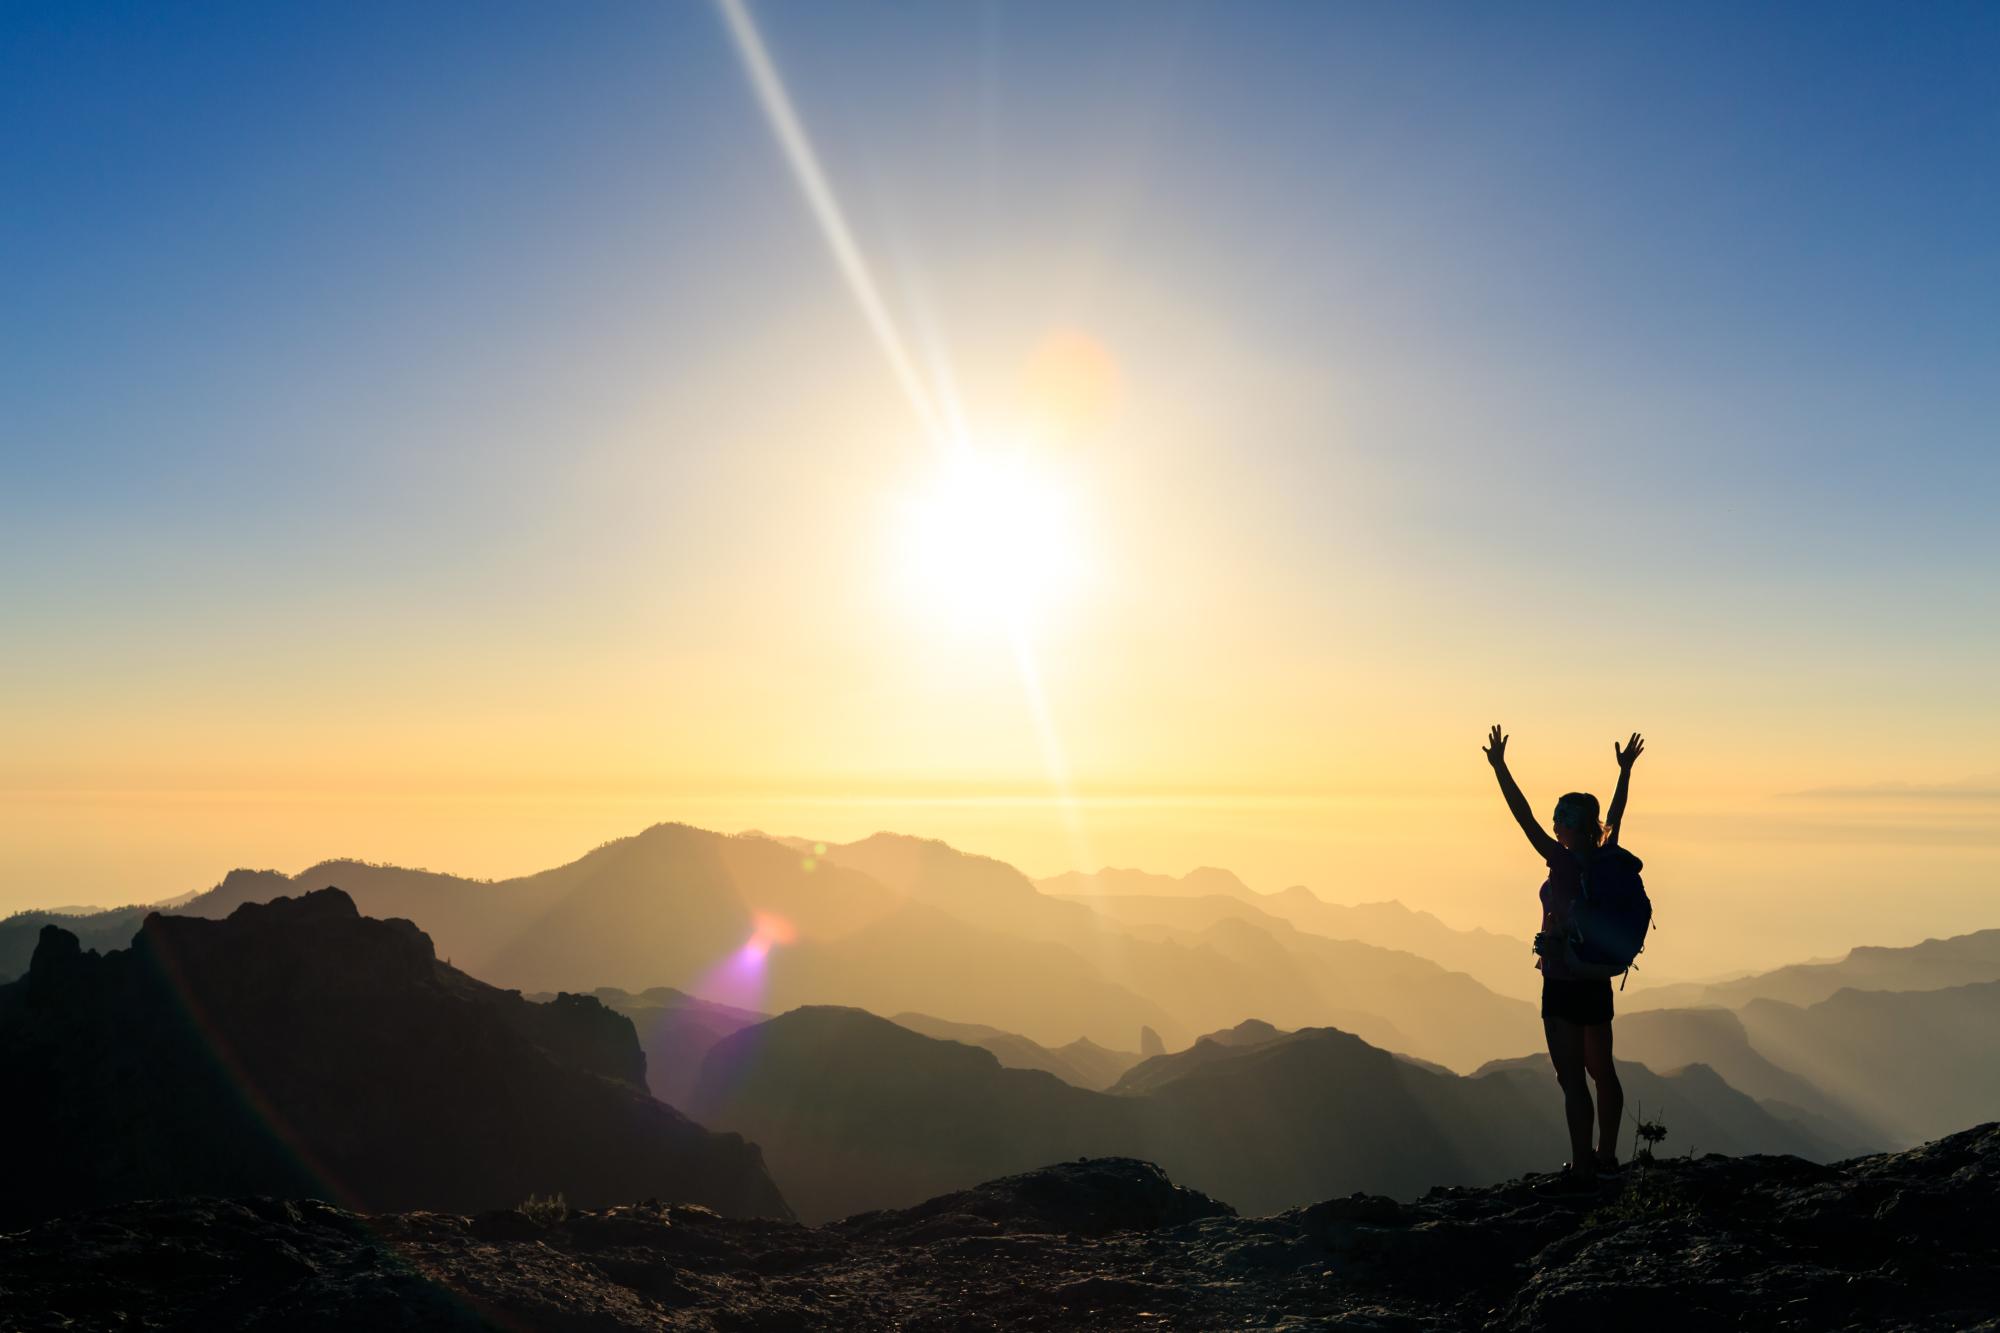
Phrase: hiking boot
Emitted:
{"points": [[1569, 1183]]}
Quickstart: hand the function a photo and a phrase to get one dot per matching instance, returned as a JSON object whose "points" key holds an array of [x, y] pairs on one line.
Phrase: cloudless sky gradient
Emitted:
{"points": [[441, 434]]}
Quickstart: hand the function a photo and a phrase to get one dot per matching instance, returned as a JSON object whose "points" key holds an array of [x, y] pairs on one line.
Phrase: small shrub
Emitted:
{"points": [[1650, 1133], [547, 1210]]}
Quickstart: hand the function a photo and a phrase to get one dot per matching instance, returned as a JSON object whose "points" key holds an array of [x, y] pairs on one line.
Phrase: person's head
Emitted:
{"points": [[1576, 821]]}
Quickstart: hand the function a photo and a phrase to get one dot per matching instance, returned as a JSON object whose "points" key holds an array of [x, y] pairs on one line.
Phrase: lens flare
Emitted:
{"points": [[1070, 387], [742, 977]]}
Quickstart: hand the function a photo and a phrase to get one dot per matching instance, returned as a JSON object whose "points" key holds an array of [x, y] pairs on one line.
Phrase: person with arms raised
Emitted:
{"points": [[1591, 881]]}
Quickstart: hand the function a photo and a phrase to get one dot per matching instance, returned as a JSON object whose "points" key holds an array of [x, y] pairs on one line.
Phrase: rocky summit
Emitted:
{"points": [[1901, 1241]]}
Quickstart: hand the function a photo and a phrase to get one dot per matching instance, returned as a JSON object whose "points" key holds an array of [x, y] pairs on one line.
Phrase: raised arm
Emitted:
{"points": [[1628, 754], [1496, 755]]}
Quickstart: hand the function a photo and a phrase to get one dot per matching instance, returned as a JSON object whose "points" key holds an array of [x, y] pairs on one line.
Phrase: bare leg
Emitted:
{"points": [[1566, 1052], [1610, 1093]]}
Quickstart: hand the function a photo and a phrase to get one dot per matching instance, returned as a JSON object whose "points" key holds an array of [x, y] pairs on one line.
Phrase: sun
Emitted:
{"points": [[994, 539]]}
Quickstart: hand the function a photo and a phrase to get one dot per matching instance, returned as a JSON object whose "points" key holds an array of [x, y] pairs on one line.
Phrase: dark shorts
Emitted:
{"points": [[1585, 1002]]}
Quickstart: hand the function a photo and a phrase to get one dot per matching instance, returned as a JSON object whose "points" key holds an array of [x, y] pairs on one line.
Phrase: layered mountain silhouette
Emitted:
{"points": [[102, 931], [1913, 1063], [1880, 1049], [1394, 999], [676, 1031], [1069, 975], [1495, 961], [1224, 958], [1931, 965], [1669, 1039], [300, 1048], [872, 1115], [895, 924], [1082, 1063], [673, 905], [854, 1112]]}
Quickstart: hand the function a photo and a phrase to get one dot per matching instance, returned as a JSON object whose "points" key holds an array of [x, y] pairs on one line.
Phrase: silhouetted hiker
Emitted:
{"points": [[1576, 998]]}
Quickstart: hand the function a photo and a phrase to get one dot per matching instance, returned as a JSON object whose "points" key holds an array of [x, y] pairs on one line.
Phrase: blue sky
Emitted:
{"points": [[1770, 227]]}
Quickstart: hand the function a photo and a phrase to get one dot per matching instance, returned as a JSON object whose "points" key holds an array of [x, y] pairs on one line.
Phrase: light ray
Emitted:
{"points": [[825, 204], [935, 404], [1053, 758]]}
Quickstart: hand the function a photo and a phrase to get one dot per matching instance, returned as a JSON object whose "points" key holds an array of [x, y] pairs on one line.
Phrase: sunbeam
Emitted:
{"points": [[825, 204], [935, 402]]}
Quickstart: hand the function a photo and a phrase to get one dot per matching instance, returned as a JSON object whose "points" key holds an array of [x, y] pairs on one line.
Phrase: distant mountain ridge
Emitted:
{"points": [[663, 926], [856, 1112], [1081, 1064], [896, 924], [1497, 962], [676, 1031], [1931, 965], [1211, 972], [673, 904], [298, 1047], [1908, 1061]]}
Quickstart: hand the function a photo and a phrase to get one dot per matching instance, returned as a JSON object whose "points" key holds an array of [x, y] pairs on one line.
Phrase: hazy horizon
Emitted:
{"points": [[492, 840]]}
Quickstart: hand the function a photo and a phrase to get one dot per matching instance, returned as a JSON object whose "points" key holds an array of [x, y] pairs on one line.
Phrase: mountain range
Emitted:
{"points": [[696, 936], [855, 1112], [300, 1048], [890, 924], [1081, 1064], [1502, 963], [1930, 965], [675, 1031]]}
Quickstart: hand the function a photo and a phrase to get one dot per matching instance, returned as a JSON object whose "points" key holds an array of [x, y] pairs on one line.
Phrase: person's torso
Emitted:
{"points": [[1559, 894]]}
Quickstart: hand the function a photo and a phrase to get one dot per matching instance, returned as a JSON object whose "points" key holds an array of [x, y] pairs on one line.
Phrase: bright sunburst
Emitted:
{"points": [[993, 540]]}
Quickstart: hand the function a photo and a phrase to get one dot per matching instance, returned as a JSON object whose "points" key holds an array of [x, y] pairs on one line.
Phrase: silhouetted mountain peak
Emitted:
{"points": [[319, 938], [57, 954], [932, 869], [1214, 879], [867, 1044], [297, 1046], [1250, 1032]]}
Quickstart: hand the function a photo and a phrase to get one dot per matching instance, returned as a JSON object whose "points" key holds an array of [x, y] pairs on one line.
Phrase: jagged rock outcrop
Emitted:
{"points": [[300, 1048], [1901, 1241], [20, 934]]}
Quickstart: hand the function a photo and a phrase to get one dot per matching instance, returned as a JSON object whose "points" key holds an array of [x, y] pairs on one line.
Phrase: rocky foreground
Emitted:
{"points": [[1899, 1241]]}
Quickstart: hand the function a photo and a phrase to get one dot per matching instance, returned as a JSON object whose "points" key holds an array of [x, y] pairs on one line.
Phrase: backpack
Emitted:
{"points": [[1608, 926]]}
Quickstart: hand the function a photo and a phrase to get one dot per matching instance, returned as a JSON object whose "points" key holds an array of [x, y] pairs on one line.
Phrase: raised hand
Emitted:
{"points": [[1628, 752], [1517, 804]]}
